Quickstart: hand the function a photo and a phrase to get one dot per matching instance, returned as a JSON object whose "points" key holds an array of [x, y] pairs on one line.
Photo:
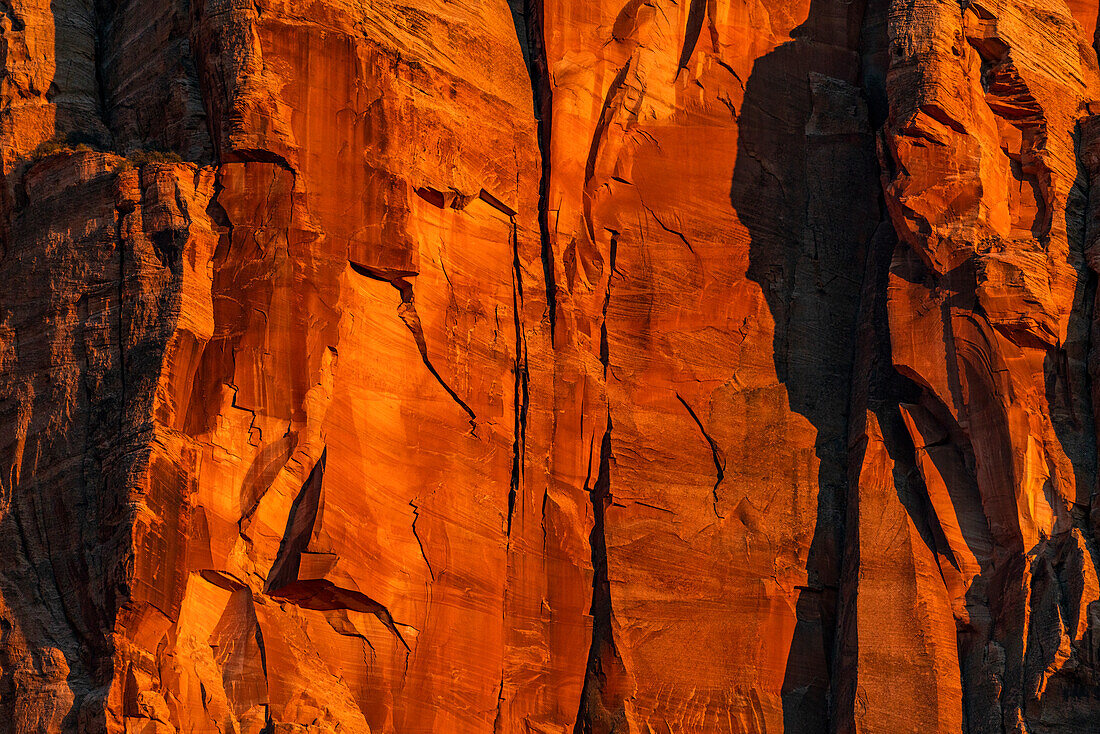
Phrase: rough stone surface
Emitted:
{"points": [[558, 366]]}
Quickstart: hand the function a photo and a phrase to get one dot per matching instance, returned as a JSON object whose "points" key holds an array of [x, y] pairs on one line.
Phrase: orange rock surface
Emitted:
{"points": [[554, 366]]}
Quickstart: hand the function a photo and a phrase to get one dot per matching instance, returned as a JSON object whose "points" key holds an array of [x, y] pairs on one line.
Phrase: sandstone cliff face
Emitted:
{"points": [[557, 366]]}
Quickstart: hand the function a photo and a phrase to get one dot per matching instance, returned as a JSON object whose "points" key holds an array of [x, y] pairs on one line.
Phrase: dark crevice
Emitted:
{"points": [[406, 311], [601, 707], [260, 645], [715, 451], [299, 528], [521, 393], [606, 113], [419, 542], [605, 349], [696, 13], [498, 721], [670, 230], [602, 697], [283, 580], [527, 15], [496, 203], [256, 155]]}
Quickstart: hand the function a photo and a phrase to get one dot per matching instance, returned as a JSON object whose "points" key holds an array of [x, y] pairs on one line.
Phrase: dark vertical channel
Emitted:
{"points": [[805, 186], [527, 16]]}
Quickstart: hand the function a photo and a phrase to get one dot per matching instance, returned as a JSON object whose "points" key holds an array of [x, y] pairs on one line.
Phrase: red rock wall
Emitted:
{"points": [[556, 366]]}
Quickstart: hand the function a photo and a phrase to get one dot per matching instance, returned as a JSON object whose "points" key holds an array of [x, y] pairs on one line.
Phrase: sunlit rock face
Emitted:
{"points": [[556, 366]]}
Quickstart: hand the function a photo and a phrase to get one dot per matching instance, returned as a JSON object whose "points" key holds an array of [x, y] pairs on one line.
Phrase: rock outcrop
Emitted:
{"points": [[558, 366]]}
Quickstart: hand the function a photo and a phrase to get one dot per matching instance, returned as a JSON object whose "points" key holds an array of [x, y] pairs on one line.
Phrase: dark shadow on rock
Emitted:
{"points": [[62, 508], [1071, 700], [1068, 388], [806, 187]]}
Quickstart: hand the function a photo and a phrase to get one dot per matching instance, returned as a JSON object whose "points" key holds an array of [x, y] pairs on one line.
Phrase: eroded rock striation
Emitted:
{"points": [[560, 366]]}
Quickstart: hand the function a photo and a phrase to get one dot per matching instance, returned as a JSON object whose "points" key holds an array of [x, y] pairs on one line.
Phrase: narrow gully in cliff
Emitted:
{"points": [[527, 16], [604, 666], [603, 663], [1089, 195], [840, 622], [521, 386]]}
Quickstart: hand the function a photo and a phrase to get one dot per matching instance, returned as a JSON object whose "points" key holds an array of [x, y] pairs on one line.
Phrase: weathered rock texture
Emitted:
{"points": [[559, 366]]}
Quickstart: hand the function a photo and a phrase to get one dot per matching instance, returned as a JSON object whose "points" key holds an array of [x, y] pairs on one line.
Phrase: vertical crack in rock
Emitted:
{"points": [[527, 15], [521, 393], [498, 718], [603, 674], [715, 452], [419, 542], [605, 348]]}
